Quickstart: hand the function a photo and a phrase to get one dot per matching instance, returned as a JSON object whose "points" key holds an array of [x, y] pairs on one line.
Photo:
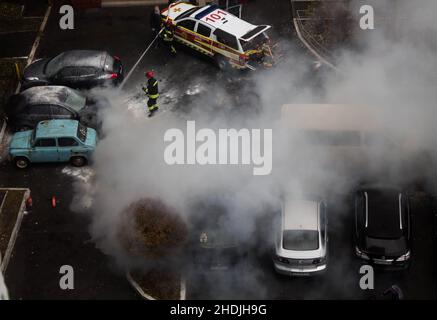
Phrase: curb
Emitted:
{"points": [[183, 288], [307, 45], [4, 294], [2, 132], [138, 288], [146, 296], [7, 255]]}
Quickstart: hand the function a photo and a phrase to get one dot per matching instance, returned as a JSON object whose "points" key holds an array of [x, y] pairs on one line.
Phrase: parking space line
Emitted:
{"points": [[14, 234], [40, 32]]}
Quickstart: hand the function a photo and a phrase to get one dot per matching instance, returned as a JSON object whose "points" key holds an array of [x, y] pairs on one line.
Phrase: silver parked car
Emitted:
{"points": [[301, 239]]}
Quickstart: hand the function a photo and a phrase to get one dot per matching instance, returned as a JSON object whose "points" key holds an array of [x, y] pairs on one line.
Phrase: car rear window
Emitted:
{"points": [[386, 247], [54, 65], [300, 240], [252, 32], [75, 100], [255, 42], [81, 132]]}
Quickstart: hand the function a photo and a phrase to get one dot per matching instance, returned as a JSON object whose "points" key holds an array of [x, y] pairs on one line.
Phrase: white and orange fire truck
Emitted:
{"points": [[229, 40]]}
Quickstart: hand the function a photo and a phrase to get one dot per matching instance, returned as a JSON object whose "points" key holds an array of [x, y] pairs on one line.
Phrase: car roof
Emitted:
{"points": [[81, 58], [230, 24], [300, 214], [56, 128], [46, 95], [383, 212]]}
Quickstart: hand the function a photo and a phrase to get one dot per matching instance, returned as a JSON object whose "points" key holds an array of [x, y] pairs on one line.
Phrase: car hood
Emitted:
{"points": [[36, 69], [91, 138], [21, 140]]}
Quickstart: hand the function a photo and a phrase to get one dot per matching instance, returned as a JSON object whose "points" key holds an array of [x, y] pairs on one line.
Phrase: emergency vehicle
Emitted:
{"points": [[220, 35]]}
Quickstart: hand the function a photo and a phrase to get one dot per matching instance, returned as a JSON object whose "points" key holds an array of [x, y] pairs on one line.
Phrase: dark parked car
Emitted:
{"points": [[26, 109], [382, 226], [215, 242], [75, 69]]}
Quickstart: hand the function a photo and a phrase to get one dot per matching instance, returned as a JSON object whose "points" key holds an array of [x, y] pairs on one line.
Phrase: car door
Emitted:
{"points": [[44, 150], [67, 146], [204, 37], [87, 77], [185, 31]]}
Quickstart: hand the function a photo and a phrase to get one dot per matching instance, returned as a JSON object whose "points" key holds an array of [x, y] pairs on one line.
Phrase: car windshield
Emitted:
{"points": [[186, 13], [386, 247], [75, 100], [255, 42], [54, 64], [81, 132], [300, 240]]}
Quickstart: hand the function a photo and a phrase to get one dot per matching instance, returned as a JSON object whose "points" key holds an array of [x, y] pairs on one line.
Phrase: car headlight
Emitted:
{"points": [[32, 78], [404, 257]]}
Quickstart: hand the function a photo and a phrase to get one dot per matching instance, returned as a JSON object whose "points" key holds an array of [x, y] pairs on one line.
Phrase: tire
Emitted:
{"points": [[21, 162], [222, 63], [78, 161]]}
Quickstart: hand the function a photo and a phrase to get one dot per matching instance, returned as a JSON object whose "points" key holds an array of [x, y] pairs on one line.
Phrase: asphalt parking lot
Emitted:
{"points": [[52, 237]]}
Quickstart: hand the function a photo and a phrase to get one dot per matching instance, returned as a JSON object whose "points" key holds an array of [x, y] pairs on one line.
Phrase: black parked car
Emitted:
{"points": [[215, 242], [382, 226], [76, 69], [26, 109]]}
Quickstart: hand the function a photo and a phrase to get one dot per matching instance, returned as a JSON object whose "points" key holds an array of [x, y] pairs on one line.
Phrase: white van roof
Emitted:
{"points": [[335, 117]]}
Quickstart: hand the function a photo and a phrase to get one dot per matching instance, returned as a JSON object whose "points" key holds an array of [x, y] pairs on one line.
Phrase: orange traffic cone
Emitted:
{"points": [[54, 202]]}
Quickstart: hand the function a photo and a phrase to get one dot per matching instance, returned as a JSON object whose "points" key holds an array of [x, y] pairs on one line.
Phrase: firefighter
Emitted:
{"points": [[155, 21], [267, 55], [168, 37], [152, 93]]}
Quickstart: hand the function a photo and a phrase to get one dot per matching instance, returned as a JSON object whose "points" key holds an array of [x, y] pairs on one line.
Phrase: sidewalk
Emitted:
{"points": [[19, 27], [12, 206]]}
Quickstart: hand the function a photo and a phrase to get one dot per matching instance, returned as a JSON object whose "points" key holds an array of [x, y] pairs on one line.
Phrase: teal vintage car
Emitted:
{"points": [[53, 141]]}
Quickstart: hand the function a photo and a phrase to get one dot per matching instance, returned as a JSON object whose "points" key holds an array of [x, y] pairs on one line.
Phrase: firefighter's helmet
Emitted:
{"points": [[150, 74]]}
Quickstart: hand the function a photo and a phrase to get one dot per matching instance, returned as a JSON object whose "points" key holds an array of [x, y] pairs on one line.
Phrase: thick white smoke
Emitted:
{"points": [[395, 74]]}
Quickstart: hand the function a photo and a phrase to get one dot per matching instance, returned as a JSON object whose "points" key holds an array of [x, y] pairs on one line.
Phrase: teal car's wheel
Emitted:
{"points": [[21, 162], [78, 161]]}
